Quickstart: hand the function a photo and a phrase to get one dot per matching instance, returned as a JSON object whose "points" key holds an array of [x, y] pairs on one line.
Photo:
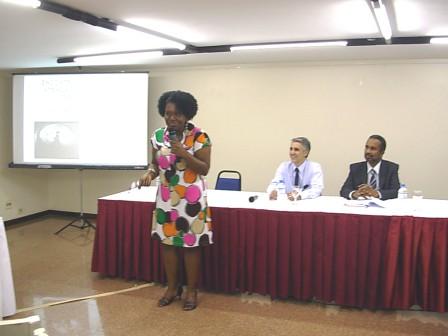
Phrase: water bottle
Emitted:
{"points": [[280, 186], [403, 191]]}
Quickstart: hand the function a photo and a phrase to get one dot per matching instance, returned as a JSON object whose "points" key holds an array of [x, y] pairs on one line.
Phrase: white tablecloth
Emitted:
{"points": [[427, 208], [7, 296]]}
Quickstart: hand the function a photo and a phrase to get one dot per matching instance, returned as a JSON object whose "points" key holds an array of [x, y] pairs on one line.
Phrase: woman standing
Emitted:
{"points": [[180, 157]]}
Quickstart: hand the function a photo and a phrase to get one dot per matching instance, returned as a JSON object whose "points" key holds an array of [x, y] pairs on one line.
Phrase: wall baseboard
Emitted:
{"points": [[47, 213]]}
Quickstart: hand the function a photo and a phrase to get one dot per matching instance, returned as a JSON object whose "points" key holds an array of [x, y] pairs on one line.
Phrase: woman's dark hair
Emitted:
{"points": [[184, 101]]}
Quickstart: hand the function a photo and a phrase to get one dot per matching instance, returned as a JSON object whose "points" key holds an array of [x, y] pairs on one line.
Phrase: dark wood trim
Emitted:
{"points": [[47, 213]]}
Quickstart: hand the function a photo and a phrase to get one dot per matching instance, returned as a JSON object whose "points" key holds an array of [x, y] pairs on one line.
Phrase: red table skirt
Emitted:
{"points": [[377, 262]]}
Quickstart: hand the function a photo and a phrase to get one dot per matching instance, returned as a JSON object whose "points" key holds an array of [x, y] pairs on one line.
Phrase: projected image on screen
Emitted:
{"points": [[56, 140], [81, 119]]}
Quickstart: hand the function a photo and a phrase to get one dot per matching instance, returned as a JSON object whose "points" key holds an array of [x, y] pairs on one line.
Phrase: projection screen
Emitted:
{"points": [[91, 120]]}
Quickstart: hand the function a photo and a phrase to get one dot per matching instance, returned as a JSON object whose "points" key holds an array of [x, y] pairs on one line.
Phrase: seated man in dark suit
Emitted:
{"points": [[374, 177]]}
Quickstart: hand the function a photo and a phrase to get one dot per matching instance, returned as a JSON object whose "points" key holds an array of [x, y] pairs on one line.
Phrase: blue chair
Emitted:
{"points": [[230, 181]]}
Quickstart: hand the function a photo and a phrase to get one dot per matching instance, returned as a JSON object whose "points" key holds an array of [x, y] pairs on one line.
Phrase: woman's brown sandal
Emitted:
{"points": [[165, 301], [192, 302]]}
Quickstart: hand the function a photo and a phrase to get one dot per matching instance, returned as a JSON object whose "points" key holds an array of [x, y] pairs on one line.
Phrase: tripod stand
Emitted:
{"points": [[84, 222]]}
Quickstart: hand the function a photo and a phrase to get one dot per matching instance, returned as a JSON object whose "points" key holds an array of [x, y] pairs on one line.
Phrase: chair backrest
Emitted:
{"points": [[230, 181]]}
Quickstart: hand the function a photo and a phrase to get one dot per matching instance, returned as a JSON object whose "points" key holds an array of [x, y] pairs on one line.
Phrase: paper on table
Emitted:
{"points": [[373, 202]]}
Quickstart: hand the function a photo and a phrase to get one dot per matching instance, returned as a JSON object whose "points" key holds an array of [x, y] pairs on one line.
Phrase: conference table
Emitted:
{"points": [[369, 254], [7, 295]]}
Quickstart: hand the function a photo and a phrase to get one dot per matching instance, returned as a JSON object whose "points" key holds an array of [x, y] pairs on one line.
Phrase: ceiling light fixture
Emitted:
{"points": [[163, 42], [128, 57], [382, 18], [77, 15], [289, 45], [439, 40], [157, 41]]}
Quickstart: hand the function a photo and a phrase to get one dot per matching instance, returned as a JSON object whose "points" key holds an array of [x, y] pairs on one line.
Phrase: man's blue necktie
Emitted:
{"points": [[373, 181], [296, 177]]}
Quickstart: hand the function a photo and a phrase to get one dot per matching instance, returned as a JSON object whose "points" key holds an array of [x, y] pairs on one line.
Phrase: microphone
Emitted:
{"points": [[253, 198], [172, 135]]}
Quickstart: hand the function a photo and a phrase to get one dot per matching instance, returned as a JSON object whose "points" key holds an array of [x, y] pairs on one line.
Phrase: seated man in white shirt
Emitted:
{"points": [[298, 178]]}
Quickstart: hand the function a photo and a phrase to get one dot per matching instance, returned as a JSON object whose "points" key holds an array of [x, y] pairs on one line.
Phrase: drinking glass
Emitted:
{"points": [[417, 194]]}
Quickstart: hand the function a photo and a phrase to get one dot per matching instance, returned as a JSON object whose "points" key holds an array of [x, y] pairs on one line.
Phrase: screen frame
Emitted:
{"points": [[17, 102]]}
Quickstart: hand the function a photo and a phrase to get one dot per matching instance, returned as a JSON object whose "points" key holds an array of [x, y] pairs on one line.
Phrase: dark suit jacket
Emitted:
{"points": [[389, 182]]}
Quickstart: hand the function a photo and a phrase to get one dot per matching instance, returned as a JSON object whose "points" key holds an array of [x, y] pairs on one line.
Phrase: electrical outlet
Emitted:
{"points": [[8, 205]]}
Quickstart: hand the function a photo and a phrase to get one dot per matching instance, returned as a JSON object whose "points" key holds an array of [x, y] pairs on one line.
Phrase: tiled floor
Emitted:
{"points": [[49, 268]]}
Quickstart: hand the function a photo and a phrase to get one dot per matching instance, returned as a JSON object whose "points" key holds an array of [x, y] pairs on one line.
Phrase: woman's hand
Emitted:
{"points": [[178, 149], [199, 162], [146, 178]]}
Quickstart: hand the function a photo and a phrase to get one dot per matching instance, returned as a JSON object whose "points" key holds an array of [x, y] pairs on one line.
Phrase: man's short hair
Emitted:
{"points": [[304, 142], [381, 140]]}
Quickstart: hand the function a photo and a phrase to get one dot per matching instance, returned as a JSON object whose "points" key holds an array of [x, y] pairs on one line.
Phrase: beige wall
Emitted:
{"points": [[26, 189], [251, 112]]}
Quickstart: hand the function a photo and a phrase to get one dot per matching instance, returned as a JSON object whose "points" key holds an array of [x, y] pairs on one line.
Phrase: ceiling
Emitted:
{"points": [[35, 38]]}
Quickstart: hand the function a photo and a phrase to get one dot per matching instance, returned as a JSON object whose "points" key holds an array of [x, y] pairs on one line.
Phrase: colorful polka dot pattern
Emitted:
{"points": [[182, 217]]}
